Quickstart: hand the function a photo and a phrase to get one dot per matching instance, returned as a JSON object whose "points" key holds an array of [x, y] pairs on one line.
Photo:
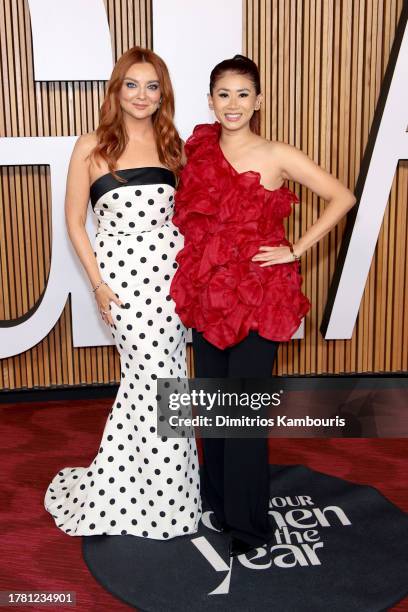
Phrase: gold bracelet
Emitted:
{"points": [[102, 282], [295, 257]]}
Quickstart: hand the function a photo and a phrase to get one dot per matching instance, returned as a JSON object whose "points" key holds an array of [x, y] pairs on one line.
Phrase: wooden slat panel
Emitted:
{"points": [[321, 65]]}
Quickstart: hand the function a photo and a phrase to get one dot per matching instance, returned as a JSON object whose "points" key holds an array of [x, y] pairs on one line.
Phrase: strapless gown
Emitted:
{"points": [[139, 483]]}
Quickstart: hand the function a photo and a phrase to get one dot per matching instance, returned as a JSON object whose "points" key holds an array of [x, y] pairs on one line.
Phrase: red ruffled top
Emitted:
{"points": [[225, 217]]}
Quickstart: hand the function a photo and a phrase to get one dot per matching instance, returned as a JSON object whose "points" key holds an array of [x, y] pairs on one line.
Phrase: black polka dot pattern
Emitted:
{"points": [[138, 484]]}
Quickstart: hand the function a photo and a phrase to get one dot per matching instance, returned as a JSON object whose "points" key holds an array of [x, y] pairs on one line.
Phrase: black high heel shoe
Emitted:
{"points": [[219, 526], [239, 547]]}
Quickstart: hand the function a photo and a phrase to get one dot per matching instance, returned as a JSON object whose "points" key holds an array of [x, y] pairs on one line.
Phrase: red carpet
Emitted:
{"points": [[38, 439]]}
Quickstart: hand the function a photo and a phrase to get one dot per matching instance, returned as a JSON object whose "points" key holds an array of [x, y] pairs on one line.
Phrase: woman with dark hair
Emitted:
{"points": [[238, 282], [140, 483]]}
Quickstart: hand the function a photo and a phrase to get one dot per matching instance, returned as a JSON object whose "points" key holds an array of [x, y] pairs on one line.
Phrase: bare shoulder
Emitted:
{"points": [[85, 144], [80, 164], [272, 148], [278, 148], [286, 156]]}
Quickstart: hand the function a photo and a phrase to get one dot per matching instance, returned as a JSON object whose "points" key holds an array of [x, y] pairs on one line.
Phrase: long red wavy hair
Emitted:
{"points": [[111, 133]]}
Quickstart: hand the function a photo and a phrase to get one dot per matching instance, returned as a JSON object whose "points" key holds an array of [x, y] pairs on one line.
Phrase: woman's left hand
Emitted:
{"points": [[273, 255]]}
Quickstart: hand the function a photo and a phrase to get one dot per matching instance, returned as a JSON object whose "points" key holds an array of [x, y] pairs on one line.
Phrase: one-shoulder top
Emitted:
{"points": [[225, 216]]}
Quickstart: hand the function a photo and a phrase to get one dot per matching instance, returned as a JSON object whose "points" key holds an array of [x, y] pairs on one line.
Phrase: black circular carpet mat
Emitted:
{"points": [[337, 546]]}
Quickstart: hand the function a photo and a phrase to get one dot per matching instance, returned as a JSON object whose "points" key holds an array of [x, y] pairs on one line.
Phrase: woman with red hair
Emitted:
{"points": [[140, 483]]}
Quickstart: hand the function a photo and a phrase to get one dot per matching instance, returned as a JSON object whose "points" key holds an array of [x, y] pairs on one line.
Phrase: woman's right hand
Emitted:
{"points": [[104, 296]]}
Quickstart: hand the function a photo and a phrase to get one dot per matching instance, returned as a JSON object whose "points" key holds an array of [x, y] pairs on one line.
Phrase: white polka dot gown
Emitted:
{"points": [[139, 483]]}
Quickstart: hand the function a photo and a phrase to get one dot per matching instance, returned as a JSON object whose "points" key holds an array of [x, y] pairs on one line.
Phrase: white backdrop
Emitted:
{"points": [[192, 37], [71, 40]]}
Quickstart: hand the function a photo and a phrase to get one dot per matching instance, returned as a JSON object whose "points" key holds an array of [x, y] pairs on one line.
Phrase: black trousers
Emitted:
{"points": [[235, 473]]}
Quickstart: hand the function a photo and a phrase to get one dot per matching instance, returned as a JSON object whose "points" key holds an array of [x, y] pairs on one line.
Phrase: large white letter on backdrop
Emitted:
{"points": [[66, 274], [387, 144], [71, 40], [192, 37]]}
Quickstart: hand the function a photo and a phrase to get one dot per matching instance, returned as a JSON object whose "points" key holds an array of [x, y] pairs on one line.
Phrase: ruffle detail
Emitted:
{"points": [[225, 216]]}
